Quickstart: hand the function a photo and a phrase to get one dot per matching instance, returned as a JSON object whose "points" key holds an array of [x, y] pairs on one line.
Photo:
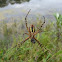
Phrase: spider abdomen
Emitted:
{"points": [[33, 40]]}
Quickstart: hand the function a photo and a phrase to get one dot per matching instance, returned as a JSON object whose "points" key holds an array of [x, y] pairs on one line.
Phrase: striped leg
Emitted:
{"points": [[38, 42], [26, 20]]}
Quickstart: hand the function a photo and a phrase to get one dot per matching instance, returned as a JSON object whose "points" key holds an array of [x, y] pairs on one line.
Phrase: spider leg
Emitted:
{"points": [[41, 45], [24, 40], [43, 22], [26, 34], [20, 43], [38, 31], [38, 42], [26, 20]]}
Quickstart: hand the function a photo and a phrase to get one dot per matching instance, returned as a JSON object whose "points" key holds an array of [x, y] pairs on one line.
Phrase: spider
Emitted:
{"points": [[31, 31]]}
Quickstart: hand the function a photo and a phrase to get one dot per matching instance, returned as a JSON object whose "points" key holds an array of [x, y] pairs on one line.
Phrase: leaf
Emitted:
{"points": [[49, 55], [59, 52], [56, 54], [44, 59], [38, 36]]}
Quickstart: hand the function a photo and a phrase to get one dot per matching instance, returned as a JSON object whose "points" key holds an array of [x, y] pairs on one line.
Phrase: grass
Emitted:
{"points": [[29, 52]]}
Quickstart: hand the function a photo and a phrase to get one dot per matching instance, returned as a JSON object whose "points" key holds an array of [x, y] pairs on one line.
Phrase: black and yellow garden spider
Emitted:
{"points": [[31, 32]]}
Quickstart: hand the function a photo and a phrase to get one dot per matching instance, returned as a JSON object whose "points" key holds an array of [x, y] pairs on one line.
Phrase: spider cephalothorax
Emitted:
{"points": [[32, 28]]}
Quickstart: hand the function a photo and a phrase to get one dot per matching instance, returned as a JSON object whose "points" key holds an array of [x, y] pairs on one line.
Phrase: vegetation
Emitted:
{"points": [[51, 38], [4, 3]]}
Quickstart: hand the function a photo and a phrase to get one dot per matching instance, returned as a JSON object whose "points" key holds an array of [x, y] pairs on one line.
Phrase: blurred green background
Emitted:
{"points": [[12, 28]]}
